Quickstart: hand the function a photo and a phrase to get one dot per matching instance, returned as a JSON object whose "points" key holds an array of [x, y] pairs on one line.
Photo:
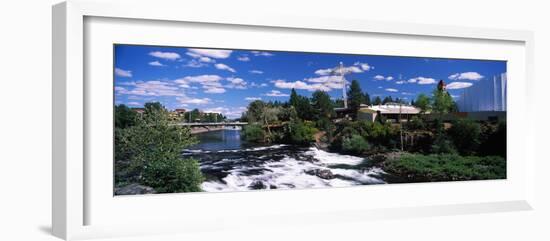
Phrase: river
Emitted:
{"points": [[231, 164]]}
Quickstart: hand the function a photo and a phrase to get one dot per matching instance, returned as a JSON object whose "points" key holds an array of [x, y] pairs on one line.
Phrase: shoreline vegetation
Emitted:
{"points": [[148, 148]]}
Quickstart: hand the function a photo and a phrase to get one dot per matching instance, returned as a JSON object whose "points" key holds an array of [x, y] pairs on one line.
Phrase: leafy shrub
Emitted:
{"points": [[448, 167], [301, 133], [465, 134], [355, 144], [150, 153], [253, 133]]}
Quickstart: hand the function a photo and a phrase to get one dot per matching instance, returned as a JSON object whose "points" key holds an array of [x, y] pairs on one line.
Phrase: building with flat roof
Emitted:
{"points": [[390, 111]]}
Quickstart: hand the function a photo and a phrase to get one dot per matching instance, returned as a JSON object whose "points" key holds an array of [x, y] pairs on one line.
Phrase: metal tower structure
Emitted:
{"points": [[340, 70]]}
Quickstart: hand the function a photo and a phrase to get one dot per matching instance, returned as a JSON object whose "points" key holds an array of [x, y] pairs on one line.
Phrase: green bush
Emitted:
{"points": [[465, 134], [149, 153], [301, 133], [447, 167], [254, 133], [355, 144]]}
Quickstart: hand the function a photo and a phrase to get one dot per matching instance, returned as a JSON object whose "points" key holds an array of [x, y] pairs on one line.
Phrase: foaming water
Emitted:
{"points": [[281, 167]]}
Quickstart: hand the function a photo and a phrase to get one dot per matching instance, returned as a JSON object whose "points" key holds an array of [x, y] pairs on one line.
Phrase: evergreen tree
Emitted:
{"points": [[377, 101], [355, 95], [366, 99]]}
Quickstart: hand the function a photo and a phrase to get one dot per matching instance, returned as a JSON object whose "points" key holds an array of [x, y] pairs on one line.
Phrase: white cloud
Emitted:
{"points": [[213, 53], [276, 93], [255, 71], [422, 80], [300, 85], [196, 101], [337, 70], [458, 85], [400, 82], [252, 98], [324, 71], [150, 88], [194, 64], [243, 58], [123, 73], [213, 90], [236, 83], [407, 93], [392, 90], [221, 66], [210, 83], [254, 84], [261, 53], [364, 66], [156, 63], [381, 77], [466, 76], [165, 55]]}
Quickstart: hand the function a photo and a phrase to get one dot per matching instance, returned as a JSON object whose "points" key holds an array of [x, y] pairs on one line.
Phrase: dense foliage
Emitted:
{"points": [[149, 153], [447, 167]]}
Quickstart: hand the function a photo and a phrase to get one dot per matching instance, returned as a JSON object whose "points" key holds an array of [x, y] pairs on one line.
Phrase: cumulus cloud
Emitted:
{"points": [[381, 77], [255, 71], [400, 82], [221, 66], [165, 55], [212, 53], [123, 73], [458, 85], [364, 66], [252, 98], [392, 90], [466, 76], [195, 101], [346, 70], [156, 63], [300, 85], [236, 83], [210, 83], [276, 93], [422, 80], [150, 88]]}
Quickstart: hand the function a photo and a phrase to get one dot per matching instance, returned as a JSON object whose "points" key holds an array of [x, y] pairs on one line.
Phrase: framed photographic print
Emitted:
{"points": [[172, 114]]}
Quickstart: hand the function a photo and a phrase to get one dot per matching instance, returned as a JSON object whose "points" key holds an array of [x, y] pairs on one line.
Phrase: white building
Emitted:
{"points": [[486, 95]]}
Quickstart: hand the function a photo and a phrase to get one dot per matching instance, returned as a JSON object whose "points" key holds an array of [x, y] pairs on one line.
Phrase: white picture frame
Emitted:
{"points": [[72, 191]]}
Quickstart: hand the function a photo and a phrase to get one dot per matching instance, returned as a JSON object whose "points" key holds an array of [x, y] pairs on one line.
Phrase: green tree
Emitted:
{"points": [[293, 98], [149, 153], [442, 101], [423, 102], [254, 112], [254, 133], [323, 104], [268, 116], [355, 95], [377, 101], [301, 133], [124, 116], [366, 99], [387, 99], [465, 134]]}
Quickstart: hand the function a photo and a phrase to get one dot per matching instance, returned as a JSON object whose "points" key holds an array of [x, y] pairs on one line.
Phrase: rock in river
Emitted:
{"points": [[321, 173]]}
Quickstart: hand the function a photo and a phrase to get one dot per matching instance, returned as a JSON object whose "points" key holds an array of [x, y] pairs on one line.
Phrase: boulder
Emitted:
{"points": [[321, 173], [255, 185], [134, 189]]}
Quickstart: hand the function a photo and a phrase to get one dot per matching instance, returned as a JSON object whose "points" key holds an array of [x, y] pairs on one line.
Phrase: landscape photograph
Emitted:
{"points": [[193, 119]]}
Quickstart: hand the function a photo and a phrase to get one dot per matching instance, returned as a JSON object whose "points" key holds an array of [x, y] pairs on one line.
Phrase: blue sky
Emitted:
{"points": [[225, 81]]}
